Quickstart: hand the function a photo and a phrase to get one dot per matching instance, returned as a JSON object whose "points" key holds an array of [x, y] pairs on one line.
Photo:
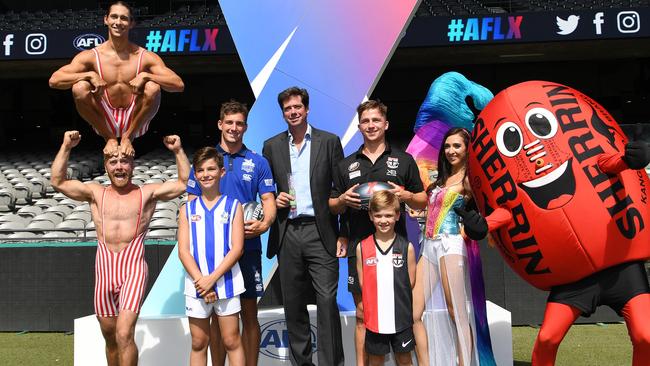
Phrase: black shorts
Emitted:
{"points": [[380, 344], [614, 287]]}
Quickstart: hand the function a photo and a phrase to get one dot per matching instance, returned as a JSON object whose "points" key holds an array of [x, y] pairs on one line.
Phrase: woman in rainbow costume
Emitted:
{"points": [[450, 322]]}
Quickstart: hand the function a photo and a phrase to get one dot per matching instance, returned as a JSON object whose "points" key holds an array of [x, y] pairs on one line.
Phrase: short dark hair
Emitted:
{"points": [[207, 153], [372, 104], [124, 4], [232, 107], [383, 200], [290, 92]]}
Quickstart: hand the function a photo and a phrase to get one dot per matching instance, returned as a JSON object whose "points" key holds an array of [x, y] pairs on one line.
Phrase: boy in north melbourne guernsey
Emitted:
{"points": [[386, 258], [210, 242]]}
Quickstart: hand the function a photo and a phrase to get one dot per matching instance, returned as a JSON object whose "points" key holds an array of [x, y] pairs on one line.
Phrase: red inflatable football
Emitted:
{"points": [[545, 166]]}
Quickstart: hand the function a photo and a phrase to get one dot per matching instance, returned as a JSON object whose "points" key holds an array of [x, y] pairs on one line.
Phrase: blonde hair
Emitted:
{"points": [[383, 200]]}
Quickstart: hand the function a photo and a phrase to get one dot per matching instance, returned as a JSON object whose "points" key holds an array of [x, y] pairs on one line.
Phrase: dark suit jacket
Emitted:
{"points": [[326, 152]]}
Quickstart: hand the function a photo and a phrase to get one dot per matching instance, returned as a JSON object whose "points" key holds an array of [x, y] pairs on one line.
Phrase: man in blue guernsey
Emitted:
{"points": [[247, 175]]}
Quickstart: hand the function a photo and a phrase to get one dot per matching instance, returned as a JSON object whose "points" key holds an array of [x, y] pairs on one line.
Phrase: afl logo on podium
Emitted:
{"points": [[275, 339]]}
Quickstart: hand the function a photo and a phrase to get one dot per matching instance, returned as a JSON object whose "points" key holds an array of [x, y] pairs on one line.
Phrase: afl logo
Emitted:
{"points": [[87, 41], [275, 339], [372, 261]]}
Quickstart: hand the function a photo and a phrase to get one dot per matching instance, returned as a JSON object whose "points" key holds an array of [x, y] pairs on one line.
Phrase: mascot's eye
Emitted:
{"points": [[541, 122], [509, 139]]}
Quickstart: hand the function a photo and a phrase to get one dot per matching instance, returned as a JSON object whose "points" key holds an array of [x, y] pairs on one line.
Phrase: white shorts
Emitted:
{"points": [[198, 308], [442, 245]]}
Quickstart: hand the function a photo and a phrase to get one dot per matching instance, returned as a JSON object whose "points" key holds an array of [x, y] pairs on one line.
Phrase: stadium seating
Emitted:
{"points": [[93, 18]]}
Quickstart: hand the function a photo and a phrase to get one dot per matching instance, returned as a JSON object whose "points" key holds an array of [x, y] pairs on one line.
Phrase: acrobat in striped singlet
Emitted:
{"points": [[210, 236], [118, 120], [120, 278]]}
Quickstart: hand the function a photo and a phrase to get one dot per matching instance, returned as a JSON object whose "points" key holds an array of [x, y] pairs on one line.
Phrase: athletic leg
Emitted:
{"points": [[229, 325], [200, 332], [250, 331], [217, 351], [124, 334], [108, 326], [635, 313], [558, 318], [146, 107], [90, 109]]}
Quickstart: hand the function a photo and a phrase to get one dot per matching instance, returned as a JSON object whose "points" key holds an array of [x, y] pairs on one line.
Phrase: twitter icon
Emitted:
{"points": [[567, 26]]}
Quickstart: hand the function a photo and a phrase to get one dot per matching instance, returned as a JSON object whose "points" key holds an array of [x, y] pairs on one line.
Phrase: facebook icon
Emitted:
{"points": [[8, 42], [598, 21]]}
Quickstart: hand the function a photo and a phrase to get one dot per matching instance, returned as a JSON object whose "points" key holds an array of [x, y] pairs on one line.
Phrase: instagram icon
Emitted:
{"points": [[35, 44], [628, 21]]}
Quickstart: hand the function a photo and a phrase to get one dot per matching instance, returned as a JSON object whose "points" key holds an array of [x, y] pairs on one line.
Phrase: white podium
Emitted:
{"points": [[166, 340]]}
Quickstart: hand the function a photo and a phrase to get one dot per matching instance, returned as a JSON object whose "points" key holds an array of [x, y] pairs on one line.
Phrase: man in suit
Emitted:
{"points": [[304, 235]]}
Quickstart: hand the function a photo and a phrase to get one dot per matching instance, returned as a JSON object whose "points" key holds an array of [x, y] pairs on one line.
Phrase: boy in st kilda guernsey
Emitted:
{"points": [[386, 268]]}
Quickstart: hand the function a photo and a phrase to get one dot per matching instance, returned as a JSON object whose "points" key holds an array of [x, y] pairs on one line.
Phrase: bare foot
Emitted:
{"points": [[126, 147], [111, 147]]}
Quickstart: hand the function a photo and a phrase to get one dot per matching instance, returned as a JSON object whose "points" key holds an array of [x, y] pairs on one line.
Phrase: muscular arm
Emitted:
{"points": [[80, 68], [71, 188], [174, 188], [268, 206], [160, 74]]}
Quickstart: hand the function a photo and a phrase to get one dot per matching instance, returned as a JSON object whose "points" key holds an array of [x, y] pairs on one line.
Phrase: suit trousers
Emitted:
{"points": [[306, 267]]}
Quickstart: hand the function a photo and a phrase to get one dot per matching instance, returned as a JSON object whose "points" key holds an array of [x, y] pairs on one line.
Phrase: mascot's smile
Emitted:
{"points": [[553, 190]]}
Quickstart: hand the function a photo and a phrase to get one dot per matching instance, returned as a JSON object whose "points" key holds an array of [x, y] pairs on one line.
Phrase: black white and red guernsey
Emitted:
{"points": [[386, 292]]}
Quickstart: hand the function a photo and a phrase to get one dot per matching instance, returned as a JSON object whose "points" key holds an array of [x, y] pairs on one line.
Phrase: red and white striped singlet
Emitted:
{"points": [[120, 278], [118, 120]]}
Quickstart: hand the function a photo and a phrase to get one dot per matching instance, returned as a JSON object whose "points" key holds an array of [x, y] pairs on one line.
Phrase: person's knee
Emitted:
{"points": [[640, 337], [547, 339], [151, 90], [231, 341], [109, 337], [124, 336], [200, 342], [403, 358], [81, 90]]}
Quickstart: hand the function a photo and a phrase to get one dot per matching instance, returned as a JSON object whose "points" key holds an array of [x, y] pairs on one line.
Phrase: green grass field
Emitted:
{"points": [[584, 345]]}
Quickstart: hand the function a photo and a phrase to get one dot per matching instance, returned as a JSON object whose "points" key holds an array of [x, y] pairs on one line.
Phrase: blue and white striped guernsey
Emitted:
{"points": [[210, 233]]}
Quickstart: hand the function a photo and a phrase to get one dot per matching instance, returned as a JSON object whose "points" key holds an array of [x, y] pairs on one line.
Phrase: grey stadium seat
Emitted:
{"points": [[40, 225]]}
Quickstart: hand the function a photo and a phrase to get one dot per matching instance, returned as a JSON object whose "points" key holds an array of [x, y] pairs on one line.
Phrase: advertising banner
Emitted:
{"points": [[64, 44]]}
